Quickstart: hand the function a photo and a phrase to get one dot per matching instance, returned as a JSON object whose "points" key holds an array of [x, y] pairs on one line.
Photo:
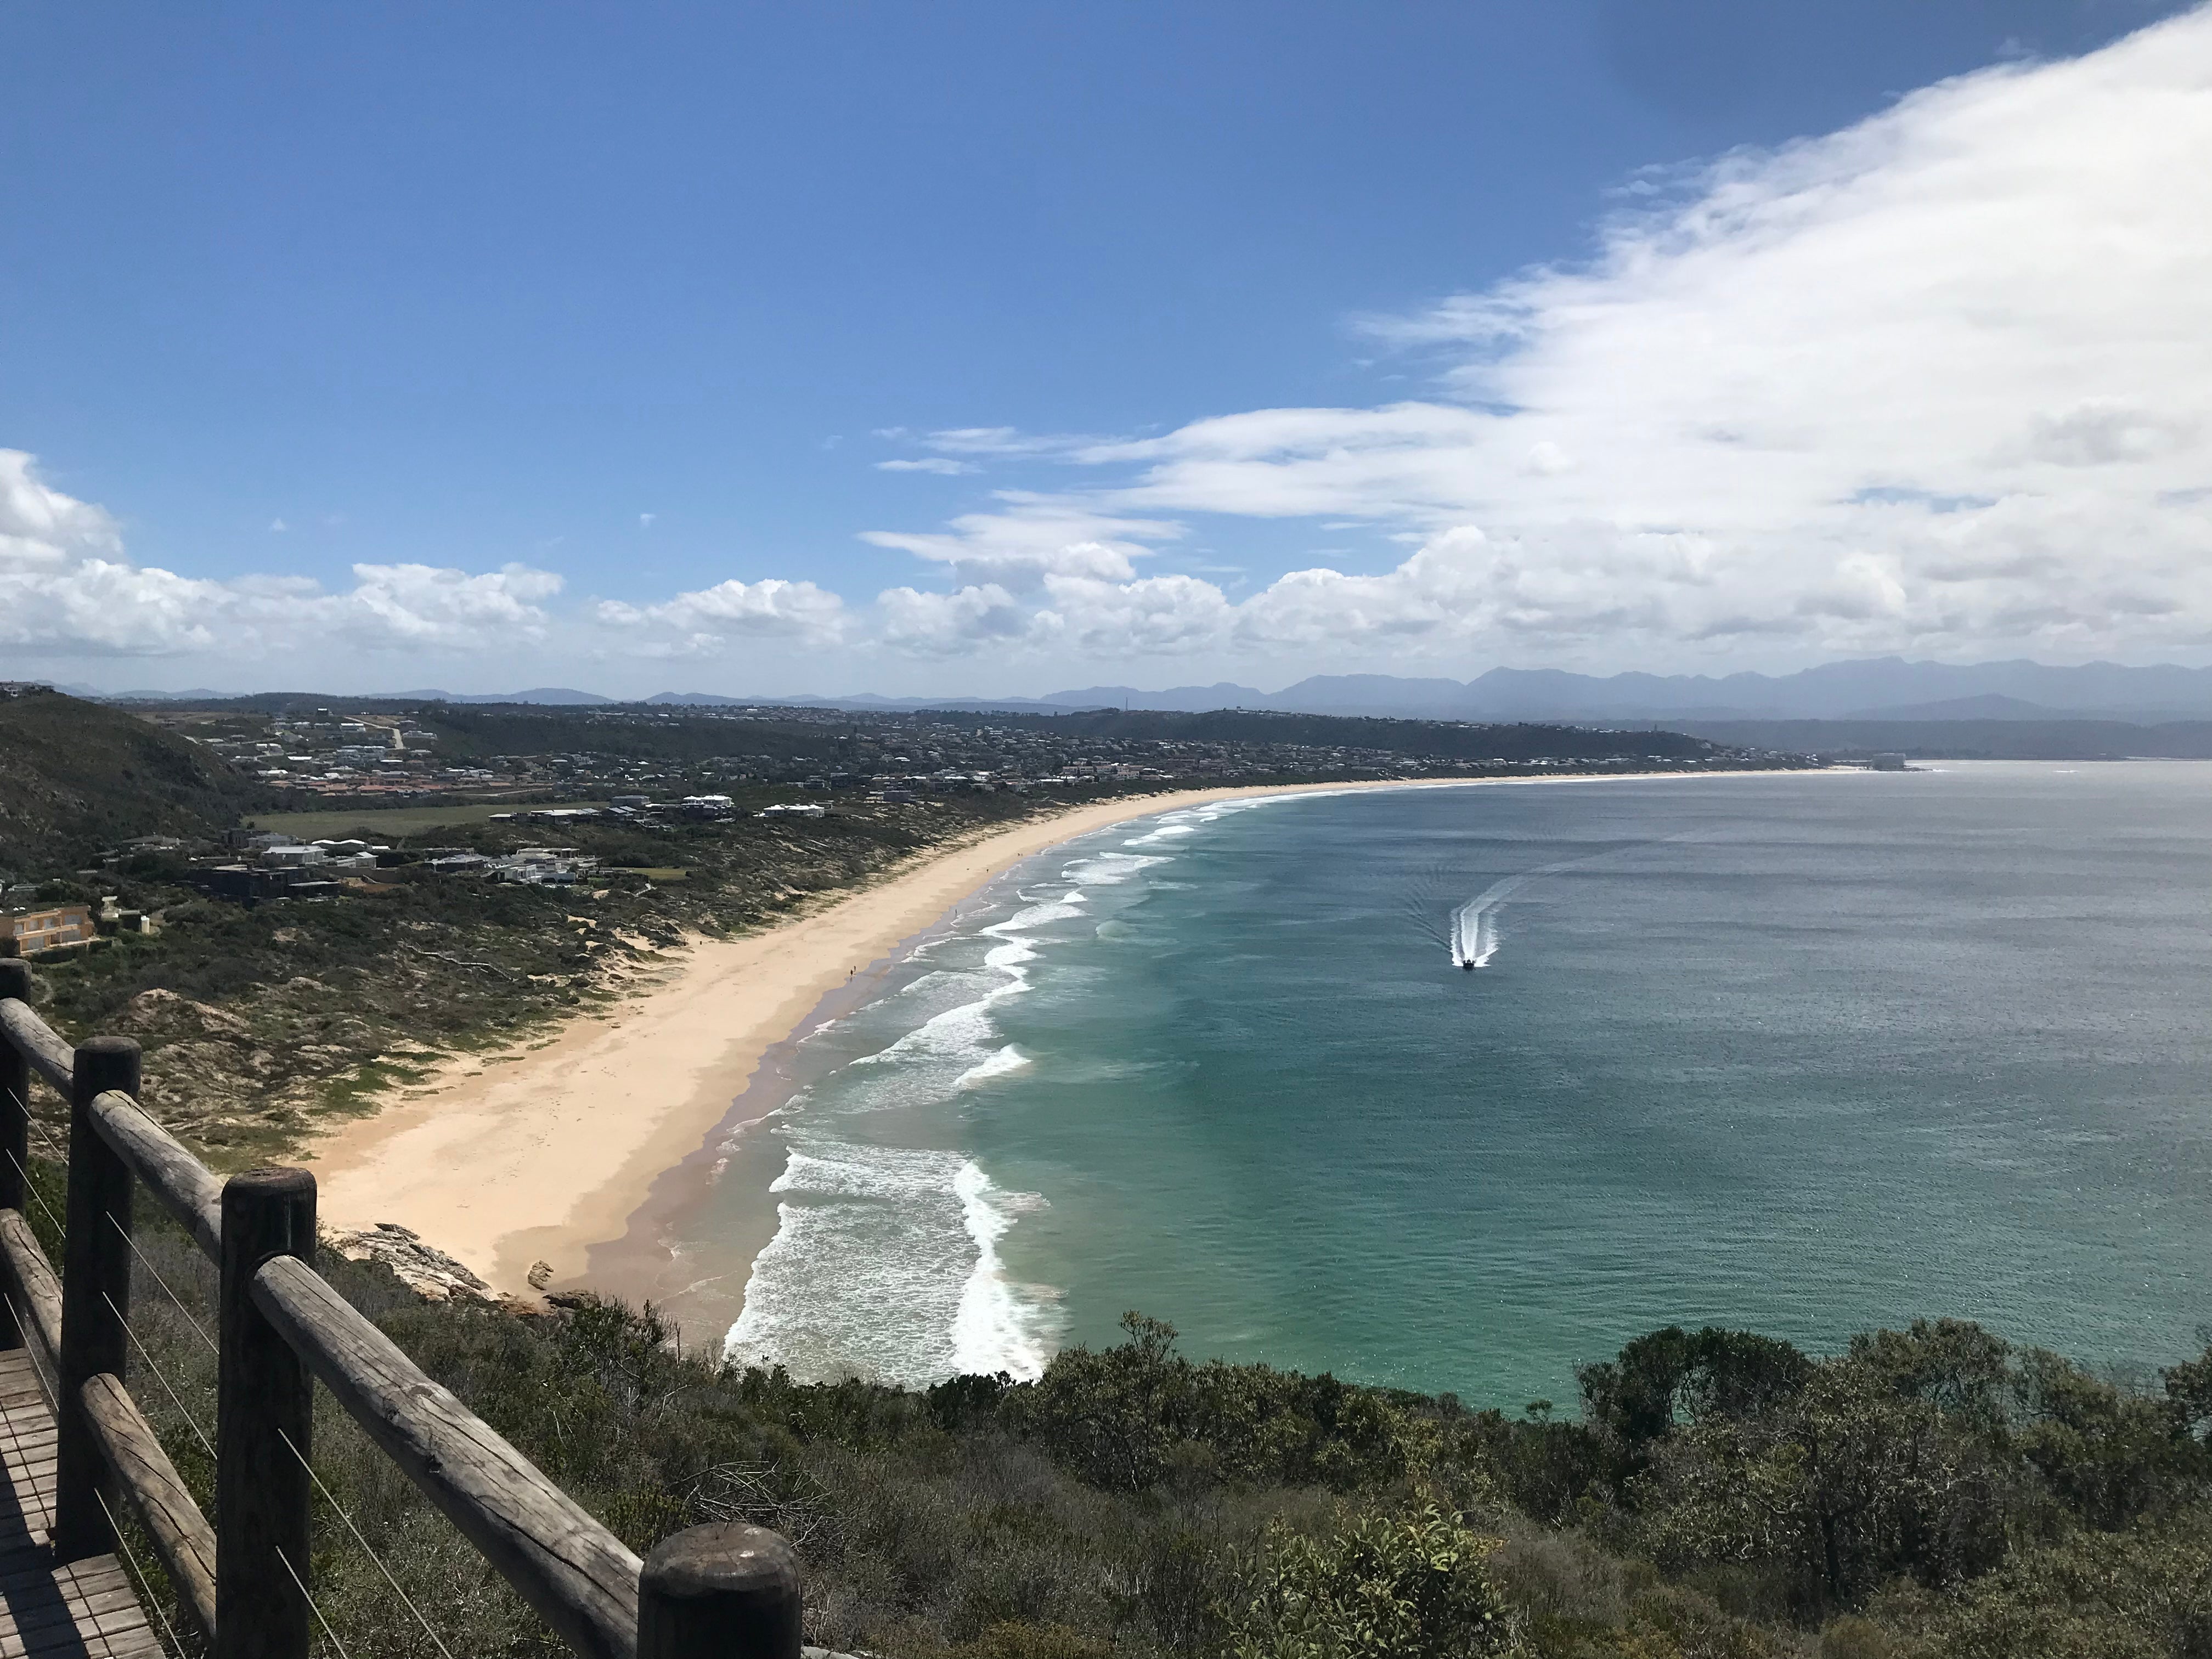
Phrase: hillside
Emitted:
{"points": [[77, 775]]}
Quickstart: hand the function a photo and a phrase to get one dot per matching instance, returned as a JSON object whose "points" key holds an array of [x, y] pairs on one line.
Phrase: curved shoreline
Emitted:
{"points": [[510, 1159], [507, 1159]]}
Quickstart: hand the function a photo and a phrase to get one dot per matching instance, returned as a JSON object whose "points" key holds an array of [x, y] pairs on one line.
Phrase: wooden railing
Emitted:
{"points": [[725, 1590]]}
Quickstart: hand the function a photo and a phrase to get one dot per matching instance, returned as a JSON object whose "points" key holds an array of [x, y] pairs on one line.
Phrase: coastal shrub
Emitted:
{"points": [[2145, 1592], [1673, 1376], [1411, 1586], [1563, 1583], [1020, 1639], [2108, 1456], [1139, 1414], [1853, 1637], [1846, 1485], [1670, 1622], [1560, 1474]]}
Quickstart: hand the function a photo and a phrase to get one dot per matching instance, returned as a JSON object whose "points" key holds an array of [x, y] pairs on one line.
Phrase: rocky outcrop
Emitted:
{"points": [[422, 1268]]}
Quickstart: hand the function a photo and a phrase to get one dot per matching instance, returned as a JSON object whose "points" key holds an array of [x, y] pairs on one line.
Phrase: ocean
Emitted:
{"points": [[1806, 1054]]}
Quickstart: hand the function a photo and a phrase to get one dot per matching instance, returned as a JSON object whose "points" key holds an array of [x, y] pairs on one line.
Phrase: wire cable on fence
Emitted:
{"points": [[310, 1601], [31, 1188], [200, 1434], [366, 1548], [139, 1572], [54, 1148], [31, 1118], [198, 1330], [191, 1319], [191, 1421], [46, 1384]]}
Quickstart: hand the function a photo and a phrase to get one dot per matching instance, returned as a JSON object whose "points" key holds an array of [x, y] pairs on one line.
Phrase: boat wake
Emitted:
{"points": [[1474, 924], [1474, 936]]}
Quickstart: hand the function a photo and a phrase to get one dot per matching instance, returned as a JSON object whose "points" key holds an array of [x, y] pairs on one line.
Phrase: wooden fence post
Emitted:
{"points": [[266, 1397], [95, 1298], [722, 1591], [15, 1117]]}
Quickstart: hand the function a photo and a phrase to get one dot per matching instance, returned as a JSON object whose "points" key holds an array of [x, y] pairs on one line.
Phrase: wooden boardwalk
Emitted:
{"points": [[86, 1610]]}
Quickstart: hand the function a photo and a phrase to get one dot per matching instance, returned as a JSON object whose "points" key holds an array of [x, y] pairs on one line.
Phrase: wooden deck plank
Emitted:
{"points": [[85, 1609]]}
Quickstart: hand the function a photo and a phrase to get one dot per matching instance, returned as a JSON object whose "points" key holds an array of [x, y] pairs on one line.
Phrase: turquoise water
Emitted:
{"points": [[1805, 1053]]}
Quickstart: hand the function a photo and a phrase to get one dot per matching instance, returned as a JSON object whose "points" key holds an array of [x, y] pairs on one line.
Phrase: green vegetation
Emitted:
{"points": [[75, 775], [1928, 1493], [386, 823], [257, 1021]]}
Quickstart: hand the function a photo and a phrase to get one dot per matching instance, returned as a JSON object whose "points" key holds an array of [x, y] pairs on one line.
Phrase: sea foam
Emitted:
{"points": [[887, 1260]]}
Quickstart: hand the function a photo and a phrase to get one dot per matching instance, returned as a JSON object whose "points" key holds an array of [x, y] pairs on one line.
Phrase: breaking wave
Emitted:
{"points": [[885, 1264], [887, 1260]]}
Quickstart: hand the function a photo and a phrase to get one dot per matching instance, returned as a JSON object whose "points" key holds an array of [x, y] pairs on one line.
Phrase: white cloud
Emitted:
{"points": [[954, 624], [414, 606], [708, 622], [944, 466], [42, 529], [1941, 381], [997, 441], [67, 589], [1032, 538], [1169, 615]]}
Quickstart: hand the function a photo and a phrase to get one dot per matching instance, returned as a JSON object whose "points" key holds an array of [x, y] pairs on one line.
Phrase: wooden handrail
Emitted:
{"points": [[179, 1533], [713, 1590], [48, 1051], [185, 1187], [36, 1289], [580, 1576]]}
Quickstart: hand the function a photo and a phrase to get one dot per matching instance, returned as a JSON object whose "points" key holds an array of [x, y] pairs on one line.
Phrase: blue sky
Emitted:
{"points": [[592, 328]]}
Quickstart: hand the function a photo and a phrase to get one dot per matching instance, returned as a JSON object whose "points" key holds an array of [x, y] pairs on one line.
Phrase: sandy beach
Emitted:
{"points": [[511, 1158]]}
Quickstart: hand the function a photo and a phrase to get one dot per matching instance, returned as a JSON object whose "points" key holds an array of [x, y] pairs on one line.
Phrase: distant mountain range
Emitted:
{"points": [[1884, 688], [1872, 689]]}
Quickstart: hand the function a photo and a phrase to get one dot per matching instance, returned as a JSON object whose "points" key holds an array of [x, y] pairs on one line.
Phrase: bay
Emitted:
{"points": [[1803, 1053]]}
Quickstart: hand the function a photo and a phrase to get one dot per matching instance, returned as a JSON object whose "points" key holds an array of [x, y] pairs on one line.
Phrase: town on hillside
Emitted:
{"points": [[351, 793]]}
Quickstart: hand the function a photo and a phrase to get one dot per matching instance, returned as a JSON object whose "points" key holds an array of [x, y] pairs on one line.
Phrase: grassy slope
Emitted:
{"points": [[384, 822], [75, 776]]}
